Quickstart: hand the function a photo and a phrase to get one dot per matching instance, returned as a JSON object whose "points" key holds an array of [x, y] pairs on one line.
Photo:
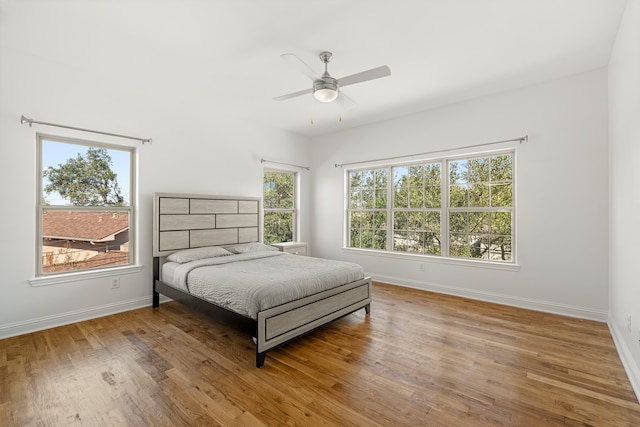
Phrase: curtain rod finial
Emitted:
{"points": [[24, 120], [524, 139]]}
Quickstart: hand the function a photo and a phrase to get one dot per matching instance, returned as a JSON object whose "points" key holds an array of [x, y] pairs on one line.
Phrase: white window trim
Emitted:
{"points": [[71, 276], [493, 265], [84, 275]]}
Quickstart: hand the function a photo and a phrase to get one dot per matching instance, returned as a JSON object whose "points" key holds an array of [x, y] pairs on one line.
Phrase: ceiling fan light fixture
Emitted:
{"points": [[325, 91]]}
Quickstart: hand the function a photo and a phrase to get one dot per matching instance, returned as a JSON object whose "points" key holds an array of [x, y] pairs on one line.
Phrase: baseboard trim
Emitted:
{"points": [[41, 323], [510, 300], [629, 364]]}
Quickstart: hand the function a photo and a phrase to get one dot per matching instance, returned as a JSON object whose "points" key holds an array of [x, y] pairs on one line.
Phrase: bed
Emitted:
{"points": [[207, 254]]}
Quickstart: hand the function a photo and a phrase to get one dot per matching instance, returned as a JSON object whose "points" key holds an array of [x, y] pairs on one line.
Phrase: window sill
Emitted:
{"points": [[435, 259], [83, 275]]}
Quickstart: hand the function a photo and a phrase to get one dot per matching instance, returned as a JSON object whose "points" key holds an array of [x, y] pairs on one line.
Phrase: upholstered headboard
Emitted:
{"points": [[184, 221]]}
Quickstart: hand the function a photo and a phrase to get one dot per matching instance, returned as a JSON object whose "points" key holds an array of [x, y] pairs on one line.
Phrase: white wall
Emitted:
{"points": [[562, 193], [624, 151], [196, 149]]}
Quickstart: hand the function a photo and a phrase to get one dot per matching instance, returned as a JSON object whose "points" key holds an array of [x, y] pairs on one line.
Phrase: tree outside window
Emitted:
{"points": [[279, 206]]}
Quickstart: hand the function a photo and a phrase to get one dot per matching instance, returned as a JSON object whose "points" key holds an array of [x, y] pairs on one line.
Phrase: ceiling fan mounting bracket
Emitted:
{"points": [[326, 57]]}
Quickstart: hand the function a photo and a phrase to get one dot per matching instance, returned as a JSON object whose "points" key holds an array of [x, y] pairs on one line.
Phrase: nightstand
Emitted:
{"points": [[296, 248]]}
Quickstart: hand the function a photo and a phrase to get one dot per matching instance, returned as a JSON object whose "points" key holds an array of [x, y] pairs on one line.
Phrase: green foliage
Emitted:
{"points": [[417, 186], [279, 205], [368, 203], [278, 190], [480, 201], [481, 182], [86, 180]]}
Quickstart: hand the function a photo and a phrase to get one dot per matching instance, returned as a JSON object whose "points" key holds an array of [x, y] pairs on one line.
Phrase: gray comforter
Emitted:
{"points": [[252, 282]]}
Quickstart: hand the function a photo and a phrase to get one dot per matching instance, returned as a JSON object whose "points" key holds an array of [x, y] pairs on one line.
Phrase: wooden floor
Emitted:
{"points": [[418, 359]]}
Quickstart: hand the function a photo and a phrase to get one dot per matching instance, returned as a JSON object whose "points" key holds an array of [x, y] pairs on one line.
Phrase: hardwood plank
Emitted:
{"points": [[419, 358]]}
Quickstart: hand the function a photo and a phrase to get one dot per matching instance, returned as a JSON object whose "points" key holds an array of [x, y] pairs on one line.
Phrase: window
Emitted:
{"points": [[467, 212], [85, 205], [279, 206]]}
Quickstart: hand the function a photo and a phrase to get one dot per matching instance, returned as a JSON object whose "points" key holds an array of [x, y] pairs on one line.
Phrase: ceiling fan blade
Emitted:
{"points": [[374, 73], [293, 95], [346, 102], [301, 65]]}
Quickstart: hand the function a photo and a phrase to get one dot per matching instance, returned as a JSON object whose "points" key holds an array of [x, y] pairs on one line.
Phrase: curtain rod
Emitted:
{"points": [[521, 140], [24, 120], [286, 164]]}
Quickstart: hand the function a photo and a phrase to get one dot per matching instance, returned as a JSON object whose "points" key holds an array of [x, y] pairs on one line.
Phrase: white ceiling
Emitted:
{"points": [[221, 57]]}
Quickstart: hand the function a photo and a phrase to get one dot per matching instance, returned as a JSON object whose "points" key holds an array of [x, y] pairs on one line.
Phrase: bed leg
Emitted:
{"points": [[156, 299], [260, 359], [156, 276], [367, 308]]}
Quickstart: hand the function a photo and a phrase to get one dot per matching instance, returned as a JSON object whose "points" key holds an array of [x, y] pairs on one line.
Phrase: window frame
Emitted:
{"points": [[42, 278], [296, 197], [444, 210]]}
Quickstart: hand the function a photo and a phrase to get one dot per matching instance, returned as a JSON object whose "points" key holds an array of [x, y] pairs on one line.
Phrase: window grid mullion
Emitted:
{"points": [[444, 211]]}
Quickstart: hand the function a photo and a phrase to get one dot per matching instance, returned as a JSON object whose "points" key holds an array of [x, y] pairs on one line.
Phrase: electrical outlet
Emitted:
{"points": [[629, 322], [115, 283], [421, 266]]}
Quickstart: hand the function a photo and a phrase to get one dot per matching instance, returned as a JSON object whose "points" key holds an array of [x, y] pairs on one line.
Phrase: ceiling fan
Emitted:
{"points": [[326, 88]]}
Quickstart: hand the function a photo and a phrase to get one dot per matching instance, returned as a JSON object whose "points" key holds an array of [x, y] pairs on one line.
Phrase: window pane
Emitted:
{"points": [[355, 179], [478, 170], [502, 168], [400, 176], [82, 175], [380, 220], [458, 196], [432, 221], [501, 223], [380, 178], [401, 198], [368, 179], [381, 198], [278, 227], [367, 199], [432, 244], [478, 195], [380, 239], [79, 240], [400, 220], [501, 195], [416, 197], [500, 248], [355, 199], [279, 203], [433, 197], [278, 190], [458, 172], [368, 206], [367, 239]]}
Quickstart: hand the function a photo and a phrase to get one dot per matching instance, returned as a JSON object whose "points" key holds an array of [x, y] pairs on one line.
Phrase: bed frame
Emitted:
{"points": [[184, 221]]}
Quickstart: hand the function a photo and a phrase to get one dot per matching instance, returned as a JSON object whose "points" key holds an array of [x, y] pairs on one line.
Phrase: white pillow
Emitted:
{"points": [[195, 254], [244, 248]]}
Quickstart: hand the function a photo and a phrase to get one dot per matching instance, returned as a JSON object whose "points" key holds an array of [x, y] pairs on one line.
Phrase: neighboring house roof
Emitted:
{"points": [[90, 226]]}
